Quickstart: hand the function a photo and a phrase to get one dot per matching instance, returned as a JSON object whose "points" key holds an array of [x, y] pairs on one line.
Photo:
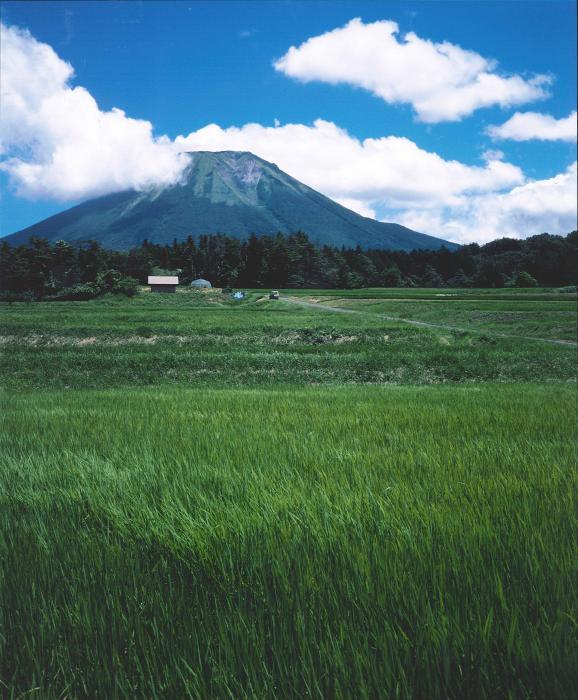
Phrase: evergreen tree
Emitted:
{"points": [[40, 270]]}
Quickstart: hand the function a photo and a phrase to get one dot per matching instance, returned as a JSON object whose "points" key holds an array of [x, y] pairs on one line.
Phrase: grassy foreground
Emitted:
{"points": [[348, 542]]}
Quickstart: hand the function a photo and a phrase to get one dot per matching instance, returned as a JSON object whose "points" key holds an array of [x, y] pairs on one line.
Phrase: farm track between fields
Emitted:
{"points": [[425, 324]]}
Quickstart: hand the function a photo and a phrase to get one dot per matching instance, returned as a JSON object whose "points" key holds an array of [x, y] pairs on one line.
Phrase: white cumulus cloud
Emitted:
{"points": [[57, 143], [442, 81], [537, 206], [526, 126], [358, 206]]}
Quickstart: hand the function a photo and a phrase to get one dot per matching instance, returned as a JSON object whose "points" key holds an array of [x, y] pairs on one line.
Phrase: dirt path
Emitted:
{"points": [[424, 324]]}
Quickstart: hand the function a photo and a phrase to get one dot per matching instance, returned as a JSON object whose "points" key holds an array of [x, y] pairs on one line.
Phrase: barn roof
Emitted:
{"points": [[157, 279]]}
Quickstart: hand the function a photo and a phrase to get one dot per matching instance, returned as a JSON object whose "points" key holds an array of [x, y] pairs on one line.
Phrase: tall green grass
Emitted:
{"points": [[352, 542]]}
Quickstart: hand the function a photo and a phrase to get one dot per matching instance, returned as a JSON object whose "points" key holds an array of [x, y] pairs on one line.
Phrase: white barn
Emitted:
{"points": [[163, 283]]}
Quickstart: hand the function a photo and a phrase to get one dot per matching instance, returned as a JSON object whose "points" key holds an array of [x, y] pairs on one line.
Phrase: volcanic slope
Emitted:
{"points": [[230, 192]]}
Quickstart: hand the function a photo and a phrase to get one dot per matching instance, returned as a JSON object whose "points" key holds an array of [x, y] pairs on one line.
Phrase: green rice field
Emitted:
{"points": [[304, 498]]}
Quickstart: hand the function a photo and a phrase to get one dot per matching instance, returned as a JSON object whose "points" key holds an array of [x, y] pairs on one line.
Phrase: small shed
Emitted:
{"points": [[201, 284], [162, 283]]}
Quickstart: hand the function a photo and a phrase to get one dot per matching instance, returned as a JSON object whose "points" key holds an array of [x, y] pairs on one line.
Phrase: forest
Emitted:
{"points": [[65, 271]]}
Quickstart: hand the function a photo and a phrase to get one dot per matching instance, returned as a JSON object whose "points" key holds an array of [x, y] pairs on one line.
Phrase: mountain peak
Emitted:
{"points": [[229, 157], [220, 154]]}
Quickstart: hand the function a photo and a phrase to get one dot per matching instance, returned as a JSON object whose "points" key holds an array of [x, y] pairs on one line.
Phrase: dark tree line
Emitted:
{"points": [[64, 271]]}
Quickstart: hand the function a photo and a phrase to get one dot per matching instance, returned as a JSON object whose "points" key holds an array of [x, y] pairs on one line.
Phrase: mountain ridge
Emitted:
{"points": [[232, 192]]}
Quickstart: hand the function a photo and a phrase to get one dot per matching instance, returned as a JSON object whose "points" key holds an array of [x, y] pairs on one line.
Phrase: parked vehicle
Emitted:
{"points": [[274, 294]]}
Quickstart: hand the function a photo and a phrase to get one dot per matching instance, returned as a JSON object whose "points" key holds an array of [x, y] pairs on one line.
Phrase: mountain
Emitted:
{"points": [[230, 192]]}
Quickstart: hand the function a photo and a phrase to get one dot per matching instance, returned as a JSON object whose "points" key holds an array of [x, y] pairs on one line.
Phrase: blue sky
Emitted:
{"points": [[184, 65]]}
